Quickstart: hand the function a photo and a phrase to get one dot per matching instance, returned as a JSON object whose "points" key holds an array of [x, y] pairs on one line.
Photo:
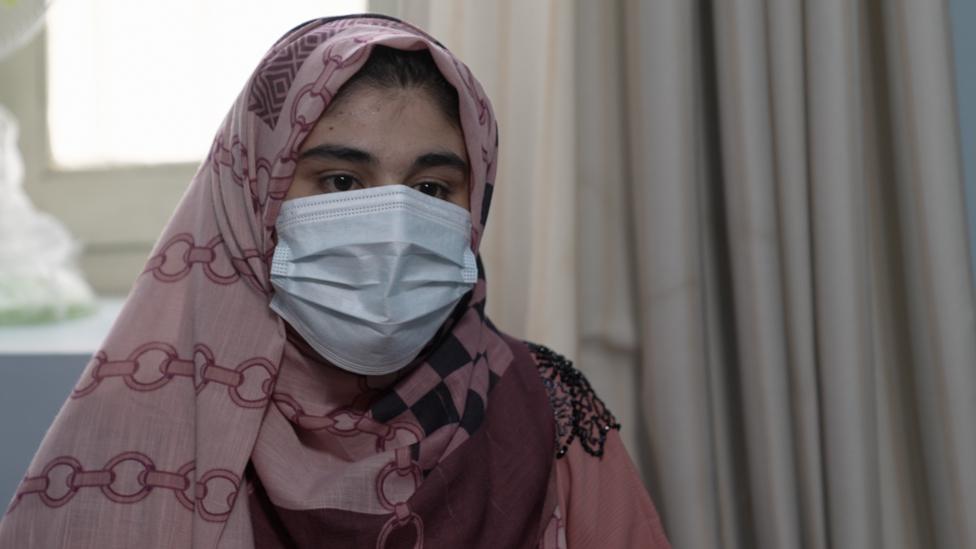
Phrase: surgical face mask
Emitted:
{"points": [[368, 276]]}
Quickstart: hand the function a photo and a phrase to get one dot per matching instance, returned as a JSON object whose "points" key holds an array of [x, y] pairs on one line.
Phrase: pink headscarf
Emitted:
{"points": [[198, 377]]}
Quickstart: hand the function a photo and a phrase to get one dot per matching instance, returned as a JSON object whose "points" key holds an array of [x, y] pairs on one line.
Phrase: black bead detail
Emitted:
{"points": [[579, 413]]}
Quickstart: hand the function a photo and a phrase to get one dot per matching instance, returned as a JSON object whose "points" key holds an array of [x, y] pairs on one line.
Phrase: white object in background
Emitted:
{"points": [[80, 336], [38, 278]]}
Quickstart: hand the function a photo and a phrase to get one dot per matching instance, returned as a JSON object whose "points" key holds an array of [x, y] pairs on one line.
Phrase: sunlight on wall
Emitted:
{"points": [[149, 82]]}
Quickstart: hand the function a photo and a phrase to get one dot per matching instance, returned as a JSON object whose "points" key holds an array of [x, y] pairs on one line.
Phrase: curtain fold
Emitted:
{"points": [[941, 317], [744, 220], [837, 224], [841, 284], [665, 206]]}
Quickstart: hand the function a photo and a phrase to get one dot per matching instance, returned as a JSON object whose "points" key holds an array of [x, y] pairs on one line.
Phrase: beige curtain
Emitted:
{"points": [[523, 54], [744, 220]]}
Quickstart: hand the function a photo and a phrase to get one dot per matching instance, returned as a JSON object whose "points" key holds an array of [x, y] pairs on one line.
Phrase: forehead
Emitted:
{"points": [[387, 120]]}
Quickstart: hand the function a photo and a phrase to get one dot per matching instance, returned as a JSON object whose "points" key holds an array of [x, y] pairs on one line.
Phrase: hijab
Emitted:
{"points": [[202, 421]]}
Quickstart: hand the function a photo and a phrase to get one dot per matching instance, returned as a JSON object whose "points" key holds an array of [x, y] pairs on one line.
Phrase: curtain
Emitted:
{"points": [[743, 219]]}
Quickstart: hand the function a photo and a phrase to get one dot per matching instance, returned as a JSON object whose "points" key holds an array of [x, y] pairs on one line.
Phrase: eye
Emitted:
{"points": [[437, 190], [337, 183]]}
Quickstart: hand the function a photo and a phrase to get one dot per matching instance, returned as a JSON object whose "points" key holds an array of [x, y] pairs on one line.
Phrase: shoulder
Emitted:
{"points": [[581, 417]]}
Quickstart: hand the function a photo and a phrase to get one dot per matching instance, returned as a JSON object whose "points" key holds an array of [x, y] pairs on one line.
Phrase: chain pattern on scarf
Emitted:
{"points": [[170, 365], [402, 516], [64, 476], [346, 422], [180, 253]]}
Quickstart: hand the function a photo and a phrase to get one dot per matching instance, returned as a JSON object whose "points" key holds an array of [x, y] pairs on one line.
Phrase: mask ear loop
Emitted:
{"points": [[470, 272]]}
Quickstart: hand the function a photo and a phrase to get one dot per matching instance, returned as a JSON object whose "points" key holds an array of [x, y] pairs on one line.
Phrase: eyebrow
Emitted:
{"points": [[359, 156], [438, 159], [339, 152]]}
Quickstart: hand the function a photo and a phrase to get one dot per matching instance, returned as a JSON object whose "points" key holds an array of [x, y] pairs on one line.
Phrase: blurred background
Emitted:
{"points": [[750, 222]]}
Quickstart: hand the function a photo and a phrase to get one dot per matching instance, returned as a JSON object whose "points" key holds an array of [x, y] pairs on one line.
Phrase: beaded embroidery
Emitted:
{"points": [[579, 413]]}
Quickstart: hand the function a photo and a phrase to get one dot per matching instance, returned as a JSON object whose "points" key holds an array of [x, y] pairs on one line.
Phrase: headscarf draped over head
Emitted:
{"points": [[201, 422]]}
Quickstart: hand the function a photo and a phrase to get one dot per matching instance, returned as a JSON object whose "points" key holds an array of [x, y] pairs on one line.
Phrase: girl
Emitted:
{"points": [[306, 361]]}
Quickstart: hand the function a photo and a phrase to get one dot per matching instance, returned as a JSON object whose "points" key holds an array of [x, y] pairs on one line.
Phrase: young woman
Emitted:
{"points": [[306, 361]]}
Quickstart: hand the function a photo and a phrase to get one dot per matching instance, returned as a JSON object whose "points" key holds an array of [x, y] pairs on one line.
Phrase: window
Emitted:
{"points": [[109, 147], [149, 82]]}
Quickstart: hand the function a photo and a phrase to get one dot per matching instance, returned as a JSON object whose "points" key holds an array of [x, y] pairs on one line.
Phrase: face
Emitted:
{"points": [[375, 137]]}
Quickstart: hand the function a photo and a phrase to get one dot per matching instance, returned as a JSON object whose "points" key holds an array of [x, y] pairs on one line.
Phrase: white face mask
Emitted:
{"points": [[368, 276]]}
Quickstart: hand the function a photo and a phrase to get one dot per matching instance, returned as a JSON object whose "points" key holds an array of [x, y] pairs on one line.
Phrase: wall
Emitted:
{"points": [[32, 390]]}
